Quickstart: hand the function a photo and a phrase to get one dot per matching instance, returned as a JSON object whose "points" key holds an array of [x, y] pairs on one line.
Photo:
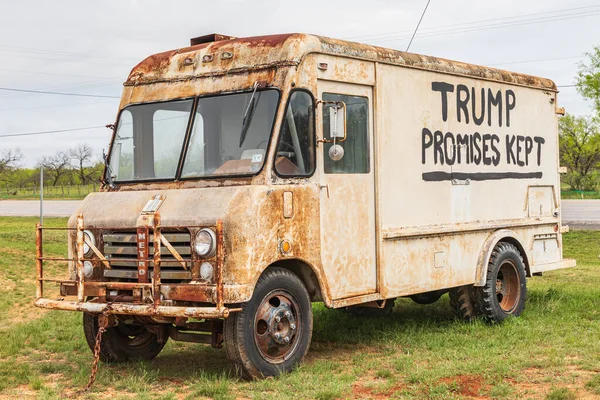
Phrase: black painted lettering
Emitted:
{"points": [[540, 141], [495, 143], [528, 148], [511, 102], [478, 120], [438, 140], [497, 102], [449, 137], [462, 144], [520, 139], [486, 160], [462, 104], [476, 140], [510, 155], [426, 142], [471, 147], [444, 88]]}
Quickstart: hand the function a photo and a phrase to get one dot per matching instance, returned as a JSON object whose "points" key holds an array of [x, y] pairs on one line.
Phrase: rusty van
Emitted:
{"points": [[249, 177]]}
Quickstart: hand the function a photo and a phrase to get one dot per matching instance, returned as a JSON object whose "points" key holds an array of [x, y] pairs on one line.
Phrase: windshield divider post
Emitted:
{"points": [[186, 140]]}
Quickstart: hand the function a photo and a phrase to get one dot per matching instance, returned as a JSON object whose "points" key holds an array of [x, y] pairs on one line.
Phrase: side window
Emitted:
{"points": [[356, 145], [295, 154]]}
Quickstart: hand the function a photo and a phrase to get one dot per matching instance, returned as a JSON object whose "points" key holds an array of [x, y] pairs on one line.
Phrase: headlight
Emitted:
{"points": [[205, 244], [88, 269], [206, 271], [89, 236]]}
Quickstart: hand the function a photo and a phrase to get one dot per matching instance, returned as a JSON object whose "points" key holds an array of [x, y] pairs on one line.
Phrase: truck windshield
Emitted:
{"points": [[151, 137]]}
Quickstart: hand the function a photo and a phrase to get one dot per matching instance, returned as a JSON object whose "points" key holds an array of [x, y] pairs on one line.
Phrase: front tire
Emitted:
{"points": [[123, 342], [505, 289], [272, 332]]}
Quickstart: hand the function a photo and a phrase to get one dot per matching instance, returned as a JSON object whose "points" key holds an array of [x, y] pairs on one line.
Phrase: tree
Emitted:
{"points": [[579, 141], [9, 160], [56, 166], [588, 78], [83, 154]]}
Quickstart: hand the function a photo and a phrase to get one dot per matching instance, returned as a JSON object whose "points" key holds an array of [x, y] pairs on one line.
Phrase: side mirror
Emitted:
{"points": [[337, 121]]}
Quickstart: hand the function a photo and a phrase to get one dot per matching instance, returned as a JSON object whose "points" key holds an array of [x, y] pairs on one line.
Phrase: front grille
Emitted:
{"points": [[122, 247]]}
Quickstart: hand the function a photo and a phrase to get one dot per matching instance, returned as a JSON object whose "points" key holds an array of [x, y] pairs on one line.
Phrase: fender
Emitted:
{"points": [[488, 247]]}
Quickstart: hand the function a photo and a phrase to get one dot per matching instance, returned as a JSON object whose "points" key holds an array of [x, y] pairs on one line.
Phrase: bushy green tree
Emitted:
{"points": [[579, 141], [588, 78]]}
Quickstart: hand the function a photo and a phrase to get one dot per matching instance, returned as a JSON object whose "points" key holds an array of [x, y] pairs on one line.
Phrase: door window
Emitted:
{"points": [[296, 147], [356, 145]]}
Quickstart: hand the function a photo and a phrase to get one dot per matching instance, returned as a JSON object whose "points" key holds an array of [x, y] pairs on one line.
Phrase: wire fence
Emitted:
{"points": [[62, 190]]}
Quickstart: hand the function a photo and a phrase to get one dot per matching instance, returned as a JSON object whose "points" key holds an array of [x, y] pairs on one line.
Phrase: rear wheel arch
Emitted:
{"points": [[502, 235]]}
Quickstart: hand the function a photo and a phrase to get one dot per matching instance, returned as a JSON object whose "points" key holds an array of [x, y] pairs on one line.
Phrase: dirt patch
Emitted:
{"points": [[360, 391], [537, 383], [467, 385]]}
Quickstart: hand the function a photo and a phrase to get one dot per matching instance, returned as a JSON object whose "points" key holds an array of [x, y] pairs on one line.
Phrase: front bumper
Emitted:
{"points": [[135, 309], [150, 296]]}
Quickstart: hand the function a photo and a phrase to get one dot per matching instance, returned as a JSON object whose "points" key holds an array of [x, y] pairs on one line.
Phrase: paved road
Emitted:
{"points": [[31, 208], [576, 213], [581, 214]]}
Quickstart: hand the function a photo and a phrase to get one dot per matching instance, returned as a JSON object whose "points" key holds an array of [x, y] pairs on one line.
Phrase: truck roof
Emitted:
{"points": [[238, 55]]}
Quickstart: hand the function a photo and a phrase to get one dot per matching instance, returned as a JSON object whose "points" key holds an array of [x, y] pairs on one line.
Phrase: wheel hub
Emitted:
{"points": [[276, 326]]}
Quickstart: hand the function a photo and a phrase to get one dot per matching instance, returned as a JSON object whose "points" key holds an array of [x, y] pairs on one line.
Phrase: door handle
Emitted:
{"points": [[325, 187]]}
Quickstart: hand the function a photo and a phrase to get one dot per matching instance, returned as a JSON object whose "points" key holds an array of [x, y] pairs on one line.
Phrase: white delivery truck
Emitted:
{"points": [[249, 177]]}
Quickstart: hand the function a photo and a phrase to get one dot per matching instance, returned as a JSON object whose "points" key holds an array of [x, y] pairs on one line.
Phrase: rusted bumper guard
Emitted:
{"points": [[147, 298]]}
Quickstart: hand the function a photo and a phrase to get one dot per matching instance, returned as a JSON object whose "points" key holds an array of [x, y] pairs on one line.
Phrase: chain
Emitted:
{"points": [[103, 323]]}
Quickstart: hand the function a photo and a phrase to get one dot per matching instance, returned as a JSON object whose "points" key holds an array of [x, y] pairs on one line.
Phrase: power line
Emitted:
{"points": [[59, 93], [437, 32], [55, 131], [531, 61], [387, 34], [567, 86], [21, 71], [494, 26], [417, 28], [60, 53]]}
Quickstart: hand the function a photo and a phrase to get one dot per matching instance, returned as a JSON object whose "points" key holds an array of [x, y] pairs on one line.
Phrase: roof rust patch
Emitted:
{"points": [[288, 49]]}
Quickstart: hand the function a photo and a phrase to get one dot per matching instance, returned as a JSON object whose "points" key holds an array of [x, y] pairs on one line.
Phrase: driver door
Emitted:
{"points": [[347, 198]]}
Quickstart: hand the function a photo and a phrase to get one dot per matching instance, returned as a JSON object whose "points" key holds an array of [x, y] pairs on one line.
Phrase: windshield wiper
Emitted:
{"points": [[109, 178], [247, 119]]}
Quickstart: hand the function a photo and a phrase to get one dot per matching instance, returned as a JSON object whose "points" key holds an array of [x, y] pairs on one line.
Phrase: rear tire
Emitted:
{"points": [[505, 289], [462, 303], [272, 332], [123, 342]]}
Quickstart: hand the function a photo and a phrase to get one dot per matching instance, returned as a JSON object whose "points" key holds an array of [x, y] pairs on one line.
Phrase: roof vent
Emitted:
{"points": [[213, 37]]}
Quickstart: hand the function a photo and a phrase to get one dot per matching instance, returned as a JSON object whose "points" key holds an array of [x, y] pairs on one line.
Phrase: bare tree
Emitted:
{"points": [[56, 166], [10, 159], [83, 154]]}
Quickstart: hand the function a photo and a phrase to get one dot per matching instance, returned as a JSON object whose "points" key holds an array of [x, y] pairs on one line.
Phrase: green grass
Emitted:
{"points": [[552, 351], [576, 194]]}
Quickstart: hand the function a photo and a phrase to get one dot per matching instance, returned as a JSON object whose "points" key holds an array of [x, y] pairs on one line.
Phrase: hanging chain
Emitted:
{"points": [[103, 324]]}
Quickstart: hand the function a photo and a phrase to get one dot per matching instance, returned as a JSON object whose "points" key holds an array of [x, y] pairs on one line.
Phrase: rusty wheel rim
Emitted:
{"points": [[508, 286], [277, 326]]}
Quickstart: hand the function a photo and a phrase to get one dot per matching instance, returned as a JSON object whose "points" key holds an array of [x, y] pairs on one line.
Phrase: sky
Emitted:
{"points": [[90, 47]]}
